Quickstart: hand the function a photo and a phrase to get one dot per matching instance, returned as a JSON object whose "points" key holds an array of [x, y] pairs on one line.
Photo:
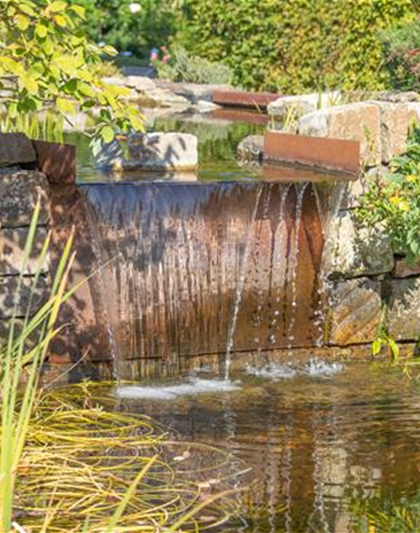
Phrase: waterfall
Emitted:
{"points": [[196, 269]]}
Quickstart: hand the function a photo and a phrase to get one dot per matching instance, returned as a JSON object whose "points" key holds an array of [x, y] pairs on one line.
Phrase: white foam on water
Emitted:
{"points": [[169, 392], [321, 368], [273, 371], [314, 368]]}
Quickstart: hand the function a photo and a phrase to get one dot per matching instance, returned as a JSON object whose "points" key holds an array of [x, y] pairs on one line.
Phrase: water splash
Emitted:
{"points": [[316, 368], [192, 387]]}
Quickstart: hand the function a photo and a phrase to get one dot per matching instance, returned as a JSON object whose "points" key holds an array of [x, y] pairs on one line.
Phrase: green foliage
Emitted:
{"points": [[394, 201], [184, 67], [402, 51], [290, 46], [46, 60], [138, 29]]}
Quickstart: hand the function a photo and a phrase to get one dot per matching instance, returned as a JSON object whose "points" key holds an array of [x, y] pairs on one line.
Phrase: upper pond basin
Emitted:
{"points": [[314, 441]]}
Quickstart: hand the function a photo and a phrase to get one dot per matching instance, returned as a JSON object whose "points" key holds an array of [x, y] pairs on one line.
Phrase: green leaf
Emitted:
{"points": [[79, 10], [107, 134], [58, 6], [376, 347], [22, 22], [41, 31], [65, 106]]}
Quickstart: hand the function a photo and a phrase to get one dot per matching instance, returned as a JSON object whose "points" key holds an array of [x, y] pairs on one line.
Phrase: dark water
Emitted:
{"points": [[320, 438]]}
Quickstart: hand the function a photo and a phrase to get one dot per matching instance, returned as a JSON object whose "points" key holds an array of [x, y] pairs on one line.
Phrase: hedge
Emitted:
{"points": [[296, 46]]}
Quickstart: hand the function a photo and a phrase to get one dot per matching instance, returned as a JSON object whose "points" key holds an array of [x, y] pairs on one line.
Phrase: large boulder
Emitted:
{"points": [[20, 190], [358, 122], [152, 151], [403, 317], [355, 311], [352, 250], [251, 148], [15, 148]]}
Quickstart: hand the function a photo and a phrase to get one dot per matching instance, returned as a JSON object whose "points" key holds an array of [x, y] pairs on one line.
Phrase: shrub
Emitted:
{"points": [[288, 46], [402, 51], [183, 67], [394, 201]]}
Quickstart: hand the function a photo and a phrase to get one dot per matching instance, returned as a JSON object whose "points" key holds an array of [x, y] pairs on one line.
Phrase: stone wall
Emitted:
{"points": [[22, 186], [367, 285]]}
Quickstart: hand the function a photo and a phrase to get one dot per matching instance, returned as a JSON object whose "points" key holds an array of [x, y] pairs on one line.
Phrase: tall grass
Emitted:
{"points": [[20, 358]]}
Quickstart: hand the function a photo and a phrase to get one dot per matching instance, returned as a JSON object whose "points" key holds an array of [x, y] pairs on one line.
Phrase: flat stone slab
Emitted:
{"points": [[15, 304], [355, 311], [12, 245], [243, 98], [403, 316], [15, 148], [19, 193]]}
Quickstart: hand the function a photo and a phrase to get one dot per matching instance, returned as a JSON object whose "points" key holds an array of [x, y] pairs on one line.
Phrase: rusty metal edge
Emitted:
{"points": [[314, 152]]}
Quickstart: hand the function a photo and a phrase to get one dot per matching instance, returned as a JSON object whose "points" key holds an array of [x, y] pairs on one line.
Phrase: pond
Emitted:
{"points": [[319, 438], [320, 444]]}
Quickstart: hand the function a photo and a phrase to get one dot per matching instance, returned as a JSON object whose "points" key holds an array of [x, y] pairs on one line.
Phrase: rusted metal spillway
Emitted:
{"points": [[192, 269]]}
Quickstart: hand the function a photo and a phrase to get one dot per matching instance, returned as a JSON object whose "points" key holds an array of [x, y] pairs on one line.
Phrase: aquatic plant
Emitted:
{"points": [[89, 467]]}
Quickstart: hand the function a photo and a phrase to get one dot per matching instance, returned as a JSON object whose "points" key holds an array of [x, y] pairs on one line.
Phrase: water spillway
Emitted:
{"points": [[190, 269]]}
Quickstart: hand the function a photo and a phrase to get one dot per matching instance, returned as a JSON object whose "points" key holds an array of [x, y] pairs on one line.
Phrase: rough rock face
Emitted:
{"points": [[358, 122], [10, 296], [12, 244], [152, 151], [19, 193], [15, 148], [251, 148], [352, 250], [301, 104], [155, 151], [403, 317], [354, 311]]}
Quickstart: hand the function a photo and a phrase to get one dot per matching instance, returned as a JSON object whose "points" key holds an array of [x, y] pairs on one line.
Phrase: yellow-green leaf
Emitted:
{"points": [[41, 31], [22, 22], [60, 20], [65, 106], [107, 134], [58, 6]]}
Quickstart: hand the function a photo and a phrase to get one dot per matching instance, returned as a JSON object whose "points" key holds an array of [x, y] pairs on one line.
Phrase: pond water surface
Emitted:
{"points": [[319, 438]]}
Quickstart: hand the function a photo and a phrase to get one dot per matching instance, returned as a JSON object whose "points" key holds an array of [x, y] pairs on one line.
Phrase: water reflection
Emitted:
{"points": [[314, 441]]}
